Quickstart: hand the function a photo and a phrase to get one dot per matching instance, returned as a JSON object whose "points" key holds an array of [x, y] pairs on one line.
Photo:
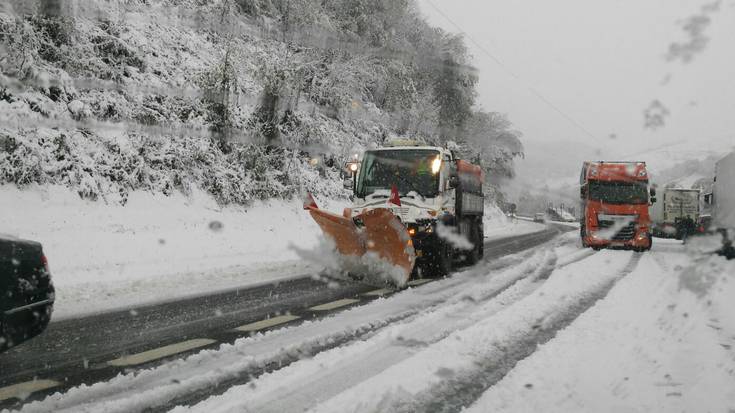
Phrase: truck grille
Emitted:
{"points": [[625, 234], [401, 212]]}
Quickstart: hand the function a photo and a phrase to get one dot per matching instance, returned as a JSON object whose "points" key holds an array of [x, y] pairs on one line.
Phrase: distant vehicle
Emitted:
{"points": [[559, 215], [539, 217], [553, 215], [723, 203], [614, 202], [26, 290], [678, 215], [416, 207]]}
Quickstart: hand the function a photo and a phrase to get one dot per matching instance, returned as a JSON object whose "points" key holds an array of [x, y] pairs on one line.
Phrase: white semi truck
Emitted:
{"points": [[678, 213], [723, 202]]}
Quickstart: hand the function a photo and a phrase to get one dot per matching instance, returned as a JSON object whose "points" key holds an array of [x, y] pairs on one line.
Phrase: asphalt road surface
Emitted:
{"points": [[97, 348]]}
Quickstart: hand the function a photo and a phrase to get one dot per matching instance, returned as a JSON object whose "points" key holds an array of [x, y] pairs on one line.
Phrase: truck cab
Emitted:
{"points": [[439, 198], [615, 200]]}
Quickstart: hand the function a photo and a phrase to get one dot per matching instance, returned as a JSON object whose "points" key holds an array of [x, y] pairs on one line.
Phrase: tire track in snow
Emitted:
{"points": [[453, 365], [300, 385], [460, 391], [372, 360]]}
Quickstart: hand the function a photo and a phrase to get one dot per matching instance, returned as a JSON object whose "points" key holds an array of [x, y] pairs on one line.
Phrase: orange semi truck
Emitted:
{"points": [[615, 200]]}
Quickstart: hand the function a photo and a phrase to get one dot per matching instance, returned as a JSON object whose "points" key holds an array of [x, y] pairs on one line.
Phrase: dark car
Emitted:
{"points": [[26, 291]]}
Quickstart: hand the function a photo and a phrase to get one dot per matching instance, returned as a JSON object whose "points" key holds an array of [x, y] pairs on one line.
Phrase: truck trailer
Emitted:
{"points": [[723, 200], [678, 214], [418, 208], [615, 198]]}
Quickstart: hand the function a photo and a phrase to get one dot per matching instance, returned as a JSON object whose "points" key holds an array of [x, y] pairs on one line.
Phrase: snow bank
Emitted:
{"points": [[156, 247], [497, 225]]}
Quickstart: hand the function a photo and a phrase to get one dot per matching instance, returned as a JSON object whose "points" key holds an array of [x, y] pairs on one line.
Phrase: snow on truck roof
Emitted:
{"points": [[614, 170], [398, 148], [618, 162]]}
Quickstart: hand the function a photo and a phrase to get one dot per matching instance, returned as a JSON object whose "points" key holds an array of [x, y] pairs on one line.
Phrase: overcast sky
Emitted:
{"points": [[602, 63]]}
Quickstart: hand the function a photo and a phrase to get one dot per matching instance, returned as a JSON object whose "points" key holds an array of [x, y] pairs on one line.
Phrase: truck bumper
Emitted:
{"points": [[642, 241]]}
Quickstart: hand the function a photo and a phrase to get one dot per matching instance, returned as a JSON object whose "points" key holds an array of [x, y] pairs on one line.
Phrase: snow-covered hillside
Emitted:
{"points": [[246, 100]]}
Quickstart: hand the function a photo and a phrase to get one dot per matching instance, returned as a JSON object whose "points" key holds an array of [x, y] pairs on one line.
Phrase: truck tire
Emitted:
{"points": [[474, 255], [582, 233], [481, 240], [440, 263]]}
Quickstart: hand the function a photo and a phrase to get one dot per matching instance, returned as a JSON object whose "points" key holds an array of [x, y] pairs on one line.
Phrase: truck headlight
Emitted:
{"points": [[436, 165]]}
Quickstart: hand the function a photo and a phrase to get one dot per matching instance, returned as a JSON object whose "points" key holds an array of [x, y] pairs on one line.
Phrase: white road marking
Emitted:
{"points": [[334, 304], [270, 322], [159, 353], [23, 390], [414, 283], [380, 292]]}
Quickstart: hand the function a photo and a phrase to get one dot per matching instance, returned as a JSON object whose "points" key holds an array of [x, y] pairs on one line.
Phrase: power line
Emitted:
{"points": [[502, 65]]}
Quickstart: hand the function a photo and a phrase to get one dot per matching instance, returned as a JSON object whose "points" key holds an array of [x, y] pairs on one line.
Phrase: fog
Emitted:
{"points": [[631, 76]]}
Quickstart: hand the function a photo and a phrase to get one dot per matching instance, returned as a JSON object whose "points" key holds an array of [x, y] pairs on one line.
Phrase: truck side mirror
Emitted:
{"points": [[652, 191], [582, 192], [453, 181]]}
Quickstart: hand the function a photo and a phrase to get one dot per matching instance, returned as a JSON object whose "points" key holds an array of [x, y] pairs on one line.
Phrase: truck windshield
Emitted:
{"points": [[619, 192], [408, 170]]}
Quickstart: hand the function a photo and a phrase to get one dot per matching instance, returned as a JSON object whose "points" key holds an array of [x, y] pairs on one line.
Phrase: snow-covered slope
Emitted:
{"points": [[243, 99]]}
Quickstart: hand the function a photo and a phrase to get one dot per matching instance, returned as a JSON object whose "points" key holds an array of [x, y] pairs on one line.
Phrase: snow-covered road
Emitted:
{"points": [[554, 328]]}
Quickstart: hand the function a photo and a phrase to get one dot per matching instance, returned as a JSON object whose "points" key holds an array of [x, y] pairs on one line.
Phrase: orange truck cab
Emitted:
{"points": [[615, 200]]}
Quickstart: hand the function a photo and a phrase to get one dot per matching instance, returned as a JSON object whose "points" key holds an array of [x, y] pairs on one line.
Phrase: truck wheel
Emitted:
{"points": [[440, 264], [582, 232], [481, 242], [473, 256]]}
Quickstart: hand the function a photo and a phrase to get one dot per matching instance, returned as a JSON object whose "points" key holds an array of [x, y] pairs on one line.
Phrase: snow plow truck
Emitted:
{"points": [[417, 209]]}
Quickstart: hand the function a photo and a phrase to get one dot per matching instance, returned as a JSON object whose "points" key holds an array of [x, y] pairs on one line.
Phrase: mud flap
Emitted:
{"points": [[383, 236]]}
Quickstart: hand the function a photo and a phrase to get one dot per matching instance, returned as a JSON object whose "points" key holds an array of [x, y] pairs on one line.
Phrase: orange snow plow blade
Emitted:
{"points": [[342, 230], [389, 238], [383, 234]]}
